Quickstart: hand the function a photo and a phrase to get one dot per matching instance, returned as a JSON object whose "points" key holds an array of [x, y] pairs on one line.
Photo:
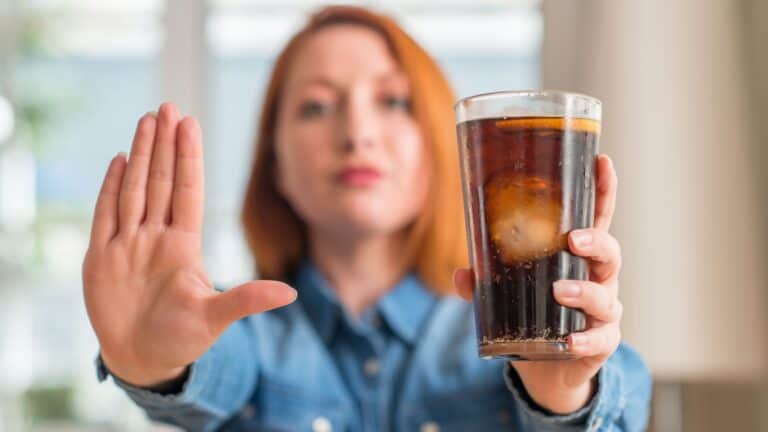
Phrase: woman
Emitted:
{"points": [[354, 200]]}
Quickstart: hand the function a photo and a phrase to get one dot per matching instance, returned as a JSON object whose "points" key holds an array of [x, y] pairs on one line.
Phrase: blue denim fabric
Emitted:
{"points": [[410, 363]]}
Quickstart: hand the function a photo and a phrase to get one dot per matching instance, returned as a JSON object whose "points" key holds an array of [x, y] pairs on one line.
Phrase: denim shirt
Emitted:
{"points": [[410, 363]]}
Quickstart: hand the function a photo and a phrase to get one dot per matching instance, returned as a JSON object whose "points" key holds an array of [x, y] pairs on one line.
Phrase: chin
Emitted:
{"points": [[369, 223], [372, 218], [361, 214]]}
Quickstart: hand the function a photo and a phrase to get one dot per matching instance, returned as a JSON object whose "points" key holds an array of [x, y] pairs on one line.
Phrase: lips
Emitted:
{"points": [[358, 176]]}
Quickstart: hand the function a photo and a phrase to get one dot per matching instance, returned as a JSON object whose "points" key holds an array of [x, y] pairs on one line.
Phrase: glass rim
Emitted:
{"points": [[528, 93]]}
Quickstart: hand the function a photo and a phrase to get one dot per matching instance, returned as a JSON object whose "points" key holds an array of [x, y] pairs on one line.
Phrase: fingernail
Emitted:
{"points": [[578, 340], [582, 239], [567, 289], [151, 113], [122, 154]]}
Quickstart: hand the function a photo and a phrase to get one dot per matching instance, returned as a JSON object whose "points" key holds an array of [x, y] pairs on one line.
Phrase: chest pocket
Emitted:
{"points": [[465, 411], [285, 407]]}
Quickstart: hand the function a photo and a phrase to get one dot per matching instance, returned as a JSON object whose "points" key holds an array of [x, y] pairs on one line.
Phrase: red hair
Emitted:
{"points": [[436, 243]]}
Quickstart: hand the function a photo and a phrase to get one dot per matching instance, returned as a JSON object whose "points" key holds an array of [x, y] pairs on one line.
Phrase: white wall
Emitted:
{"points": [[673, 79]]}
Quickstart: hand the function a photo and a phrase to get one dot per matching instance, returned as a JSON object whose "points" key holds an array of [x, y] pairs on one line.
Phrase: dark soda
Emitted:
{"points": [[529, 181]]}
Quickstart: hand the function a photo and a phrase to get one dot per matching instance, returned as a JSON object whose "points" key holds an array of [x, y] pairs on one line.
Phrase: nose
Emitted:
{"points": [[359, 124]]}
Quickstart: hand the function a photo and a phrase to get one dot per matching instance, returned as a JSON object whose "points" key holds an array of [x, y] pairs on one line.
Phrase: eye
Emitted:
{"points": [[398, 103], [311, 109]]}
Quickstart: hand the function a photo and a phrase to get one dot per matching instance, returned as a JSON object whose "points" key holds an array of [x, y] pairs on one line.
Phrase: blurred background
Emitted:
{"points": [[684, 119]]}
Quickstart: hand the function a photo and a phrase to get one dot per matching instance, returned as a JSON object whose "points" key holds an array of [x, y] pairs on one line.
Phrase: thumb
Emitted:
{"points": [[463, 279], [248, 299]]}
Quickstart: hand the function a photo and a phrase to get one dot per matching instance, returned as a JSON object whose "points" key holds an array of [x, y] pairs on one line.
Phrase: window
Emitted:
{"points": [[78, 73]]}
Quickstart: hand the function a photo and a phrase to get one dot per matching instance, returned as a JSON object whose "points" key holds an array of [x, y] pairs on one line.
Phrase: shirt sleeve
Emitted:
{"points": [[219, 384], [621, 402]]}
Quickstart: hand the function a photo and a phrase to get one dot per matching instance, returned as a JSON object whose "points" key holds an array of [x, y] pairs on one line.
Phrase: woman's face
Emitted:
{"points": [[350, 157]]}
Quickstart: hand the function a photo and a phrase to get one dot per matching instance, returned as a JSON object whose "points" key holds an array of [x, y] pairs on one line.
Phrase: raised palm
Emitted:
{"points": [[148, 297]]}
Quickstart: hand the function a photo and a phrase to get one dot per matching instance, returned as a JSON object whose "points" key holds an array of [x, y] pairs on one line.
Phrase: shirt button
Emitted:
{"points": [[321, 424], [376, 321], [248, 411], [504, 417], [430, 427], [596, 425], [371, 367]]}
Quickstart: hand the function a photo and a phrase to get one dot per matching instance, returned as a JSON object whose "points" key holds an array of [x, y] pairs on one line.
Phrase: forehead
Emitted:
{"points": [[343, 52]]}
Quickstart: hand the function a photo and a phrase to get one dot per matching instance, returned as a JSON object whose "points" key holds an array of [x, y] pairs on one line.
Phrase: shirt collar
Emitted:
{"points": [[319, 300], [404, 308]]}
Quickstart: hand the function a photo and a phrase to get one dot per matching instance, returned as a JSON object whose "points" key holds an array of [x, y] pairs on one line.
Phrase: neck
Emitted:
{"points": [[360, 270]]}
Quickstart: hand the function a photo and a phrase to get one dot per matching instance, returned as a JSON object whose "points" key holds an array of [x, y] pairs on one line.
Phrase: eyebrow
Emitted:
{"points": [[327, 82]]}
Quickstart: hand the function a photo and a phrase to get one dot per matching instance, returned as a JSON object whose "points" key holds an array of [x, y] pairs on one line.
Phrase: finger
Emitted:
{"points": [[133, 193], [105, 214], [161, 168], [188, 190], [597, 341], [247, 299], [597, 301], [601, 248], [606, 188], [464, 283]]}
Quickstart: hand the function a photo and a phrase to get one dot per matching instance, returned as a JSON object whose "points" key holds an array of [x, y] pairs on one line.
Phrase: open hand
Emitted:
{"points": [[148, 297]]}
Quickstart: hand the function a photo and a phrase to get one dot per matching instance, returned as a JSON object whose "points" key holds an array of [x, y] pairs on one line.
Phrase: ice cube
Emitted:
{"points": [[523, 215]]}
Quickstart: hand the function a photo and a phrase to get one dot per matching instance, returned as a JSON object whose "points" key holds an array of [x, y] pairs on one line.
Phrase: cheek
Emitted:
{"points": [[303, 156], [411, 167]]}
